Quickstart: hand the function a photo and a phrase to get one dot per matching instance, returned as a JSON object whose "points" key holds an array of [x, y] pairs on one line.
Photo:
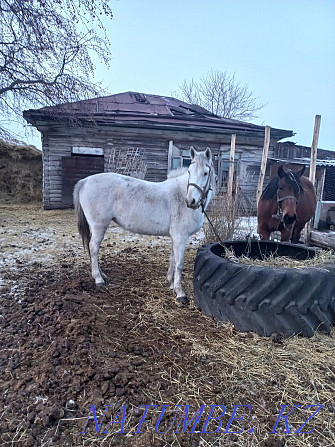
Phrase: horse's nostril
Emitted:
{"points": [[289, 218], [193, 201]]}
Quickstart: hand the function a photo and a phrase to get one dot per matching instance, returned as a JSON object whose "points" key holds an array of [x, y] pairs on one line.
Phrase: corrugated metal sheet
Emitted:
{"points": [[325, 163]]}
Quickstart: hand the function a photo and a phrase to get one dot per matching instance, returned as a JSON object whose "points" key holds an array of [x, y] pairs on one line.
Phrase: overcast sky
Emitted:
{"points": [[283, 50]]}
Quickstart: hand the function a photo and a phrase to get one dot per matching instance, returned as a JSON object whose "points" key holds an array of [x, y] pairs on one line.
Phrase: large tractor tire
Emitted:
{"points": [[265, 300]]}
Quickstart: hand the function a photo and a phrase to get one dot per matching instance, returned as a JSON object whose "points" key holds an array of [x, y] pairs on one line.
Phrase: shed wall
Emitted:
{"points": [[58, 142]]}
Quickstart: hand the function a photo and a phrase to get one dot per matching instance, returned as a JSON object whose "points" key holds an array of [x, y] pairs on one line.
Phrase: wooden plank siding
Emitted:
{"points": [[58, 144], [248, 160], [154, 150]]}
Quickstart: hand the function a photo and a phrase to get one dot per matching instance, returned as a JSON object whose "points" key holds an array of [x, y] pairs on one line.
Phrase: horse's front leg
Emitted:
{"points": [[179, 246], [264, 231], [285, 234], [296, 233]]}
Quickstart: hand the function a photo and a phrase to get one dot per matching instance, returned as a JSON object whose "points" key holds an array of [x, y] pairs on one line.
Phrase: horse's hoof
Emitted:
{"points": [[183, 300], [100, 285]]}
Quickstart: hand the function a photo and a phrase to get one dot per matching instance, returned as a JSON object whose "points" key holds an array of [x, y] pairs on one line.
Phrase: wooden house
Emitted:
{"points": [[143, 135]]}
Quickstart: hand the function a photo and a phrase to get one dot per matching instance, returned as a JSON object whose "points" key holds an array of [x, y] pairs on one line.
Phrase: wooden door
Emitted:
{"points": [[75, 168]]}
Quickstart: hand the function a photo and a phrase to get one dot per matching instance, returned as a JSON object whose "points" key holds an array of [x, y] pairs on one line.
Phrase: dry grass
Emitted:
{"points": [[20, 173], [226, 219], [237, 368], [321, 258], [19, 151]]}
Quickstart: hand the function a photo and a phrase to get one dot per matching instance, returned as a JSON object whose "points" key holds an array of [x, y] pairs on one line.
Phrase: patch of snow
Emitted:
{"points": [[40, 399]]}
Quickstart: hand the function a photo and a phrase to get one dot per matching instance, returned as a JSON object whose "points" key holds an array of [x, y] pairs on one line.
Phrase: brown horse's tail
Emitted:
{"points": [[83, 226]]}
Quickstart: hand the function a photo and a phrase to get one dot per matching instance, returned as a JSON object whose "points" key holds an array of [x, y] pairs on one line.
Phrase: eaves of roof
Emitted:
{"points": [[304, 161], [211, 124]]}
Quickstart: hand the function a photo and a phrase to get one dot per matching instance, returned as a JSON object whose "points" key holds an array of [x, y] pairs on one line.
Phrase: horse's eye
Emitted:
{"points": [[205, 173]]}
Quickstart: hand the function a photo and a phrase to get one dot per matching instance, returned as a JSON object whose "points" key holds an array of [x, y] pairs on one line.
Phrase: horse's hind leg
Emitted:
{"points": [[97, 235], [179, 245], [170, 272]]}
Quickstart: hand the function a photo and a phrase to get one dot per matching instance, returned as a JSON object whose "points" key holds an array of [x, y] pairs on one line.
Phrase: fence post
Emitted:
{"points": [[231, 168], [314, 148], [263, 163], [312, 168]]}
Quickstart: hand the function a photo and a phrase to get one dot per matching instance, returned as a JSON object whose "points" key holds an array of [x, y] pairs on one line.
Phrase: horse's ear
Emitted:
{"points": [[302, 170], [281, 171], [192, 152], [208, 154]]}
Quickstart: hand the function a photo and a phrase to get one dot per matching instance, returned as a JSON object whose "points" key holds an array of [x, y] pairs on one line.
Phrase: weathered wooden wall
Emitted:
{"points": [[58, 141], [248, 160]]}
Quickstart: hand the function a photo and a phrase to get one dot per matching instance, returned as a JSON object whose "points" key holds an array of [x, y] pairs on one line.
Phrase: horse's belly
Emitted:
{"points": [[151, 224]]}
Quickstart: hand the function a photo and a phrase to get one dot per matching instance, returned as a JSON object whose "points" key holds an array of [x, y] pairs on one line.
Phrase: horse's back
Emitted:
{"points": [[113, 185]]}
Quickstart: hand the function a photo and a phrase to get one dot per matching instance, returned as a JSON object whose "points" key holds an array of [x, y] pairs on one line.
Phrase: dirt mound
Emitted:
{"points": [[72, 346], [20, 173]]}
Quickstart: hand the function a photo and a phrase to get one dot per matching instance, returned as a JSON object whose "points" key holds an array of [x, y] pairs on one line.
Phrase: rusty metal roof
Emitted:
{"points": [[139, 109]]}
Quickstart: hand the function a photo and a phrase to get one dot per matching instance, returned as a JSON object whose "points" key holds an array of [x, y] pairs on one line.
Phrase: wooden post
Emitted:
{"points": [[314, 148], [312, 169], [170, 153], [231, 168], [263, 163]]}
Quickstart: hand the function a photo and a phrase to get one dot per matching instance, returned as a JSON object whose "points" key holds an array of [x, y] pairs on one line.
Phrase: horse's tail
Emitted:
{"points": [[83, 226]]}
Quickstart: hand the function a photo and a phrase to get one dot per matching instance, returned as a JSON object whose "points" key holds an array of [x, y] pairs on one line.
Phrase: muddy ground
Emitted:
{"points": [[66, 346]]}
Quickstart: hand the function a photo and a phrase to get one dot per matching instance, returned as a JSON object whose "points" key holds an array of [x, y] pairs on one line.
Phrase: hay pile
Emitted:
{"points": [[20, 173], [322, 257], [229, 367]]}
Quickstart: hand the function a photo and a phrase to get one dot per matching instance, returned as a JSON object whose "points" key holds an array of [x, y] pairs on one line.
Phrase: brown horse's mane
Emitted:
{"points": [[291, 177]]}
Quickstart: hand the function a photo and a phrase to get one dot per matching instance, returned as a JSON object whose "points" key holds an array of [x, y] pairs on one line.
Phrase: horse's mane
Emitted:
{"points": [[291, 177], [271, 189], [176, 172]]}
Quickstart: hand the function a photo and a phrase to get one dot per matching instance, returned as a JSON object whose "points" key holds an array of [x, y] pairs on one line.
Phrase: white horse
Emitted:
{"points": [[172, 208]]}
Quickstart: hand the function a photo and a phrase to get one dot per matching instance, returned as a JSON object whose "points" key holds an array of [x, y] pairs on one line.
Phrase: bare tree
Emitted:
{"points": [[222, 94], [46, 49]]}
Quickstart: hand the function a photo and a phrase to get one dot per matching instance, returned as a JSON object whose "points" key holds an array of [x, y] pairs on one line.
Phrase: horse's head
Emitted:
{"points": [[289, 189], [201, 178]]}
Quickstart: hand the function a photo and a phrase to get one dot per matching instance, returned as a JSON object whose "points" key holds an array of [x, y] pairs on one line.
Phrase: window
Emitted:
{"points": [[223, 170], [176, 162]]}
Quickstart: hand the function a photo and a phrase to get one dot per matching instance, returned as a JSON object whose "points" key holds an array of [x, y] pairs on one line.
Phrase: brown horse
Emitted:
{"points": [[287, 203]]}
